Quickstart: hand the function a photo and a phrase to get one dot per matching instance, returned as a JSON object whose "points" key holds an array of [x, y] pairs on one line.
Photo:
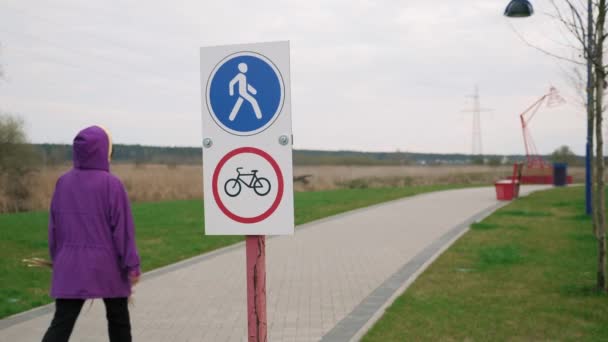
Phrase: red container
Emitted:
{"points": [[505, 189]]}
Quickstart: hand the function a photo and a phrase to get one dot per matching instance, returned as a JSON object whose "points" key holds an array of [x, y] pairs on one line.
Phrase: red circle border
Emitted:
{"points": [[277, 171]]}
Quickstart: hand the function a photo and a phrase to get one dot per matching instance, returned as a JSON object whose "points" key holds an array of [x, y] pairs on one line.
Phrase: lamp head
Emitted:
{"points": [[519, 9]]}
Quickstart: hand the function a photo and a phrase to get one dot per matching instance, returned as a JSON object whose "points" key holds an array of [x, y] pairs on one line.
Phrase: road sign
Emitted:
{"points": [[245, 93], [247, 162], [250, 193]]}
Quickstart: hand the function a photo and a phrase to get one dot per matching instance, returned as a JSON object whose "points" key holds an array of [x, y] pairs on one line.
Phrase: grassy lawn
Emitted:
{"points": [[525, 273], [166, 232]]}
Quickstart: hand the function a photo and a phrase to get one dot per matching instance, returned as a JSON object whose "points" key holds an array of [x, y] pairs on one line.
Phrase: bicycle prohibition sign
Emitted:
{"points": [[260, 185]]}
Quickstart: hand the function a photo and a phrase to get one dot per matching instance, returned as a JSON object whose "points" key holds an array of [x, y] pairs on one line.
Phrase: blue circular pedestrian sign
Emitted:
{"points": [[245, 93]]}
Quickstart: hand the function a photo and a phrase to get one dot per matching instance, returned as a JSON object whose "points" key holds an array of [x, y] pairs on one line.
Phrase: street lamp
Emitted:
{"points": [[522, 9]]}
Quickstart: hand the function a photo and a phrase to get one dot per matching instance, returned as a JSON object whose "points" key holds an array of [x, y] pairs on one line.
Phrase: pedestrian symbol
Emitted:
{"points": [[244, 90], [245, 93]]}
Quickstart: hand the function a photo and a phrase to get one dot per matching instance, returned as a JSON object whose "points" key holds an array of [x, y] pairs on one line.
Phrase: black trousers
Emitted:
{"points": [[67, 311]]}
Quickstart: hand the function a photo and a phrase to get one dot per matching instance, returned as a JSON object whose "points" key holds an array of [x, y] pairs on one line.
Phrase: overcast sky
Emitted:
{"points": [[366, 75]]}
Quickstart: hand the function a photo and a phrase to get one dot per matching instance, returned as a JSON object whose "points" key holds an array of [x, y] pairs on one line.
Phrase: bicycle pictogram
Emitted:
{"points": [[260, 185]]}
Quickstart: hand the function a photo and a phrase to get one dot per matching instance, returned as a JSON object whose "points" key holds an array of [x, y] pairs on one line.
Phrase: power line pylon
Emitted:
{"points": [[476, 141]]}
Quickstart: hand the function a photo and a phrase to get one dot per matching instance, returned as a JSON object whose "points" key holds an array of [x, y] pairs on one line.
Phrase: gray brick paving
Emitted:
{"points": [[328, 279]]}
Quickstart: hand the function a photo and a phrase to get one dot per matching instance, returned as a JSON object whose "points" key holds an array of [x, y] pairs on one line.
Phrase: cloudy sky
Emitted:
{"points": [[366, 75]]}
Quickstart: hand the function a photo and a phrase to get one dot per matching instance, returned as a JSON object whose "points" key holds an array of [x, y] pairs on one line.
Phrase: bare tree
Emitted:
{"points": [[599, 82], [589, 37]]}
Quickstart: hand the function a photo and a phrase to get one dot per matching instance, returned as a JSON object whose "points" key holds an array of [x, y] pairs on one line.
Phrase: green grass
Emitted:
{"points": [[525, 273], [166, 232]]}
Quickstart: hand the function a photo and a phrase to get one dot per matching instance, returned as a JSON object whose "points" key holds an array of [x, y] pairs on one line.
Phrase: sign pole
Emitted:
{"points": [[256, 288], [247, 156]]}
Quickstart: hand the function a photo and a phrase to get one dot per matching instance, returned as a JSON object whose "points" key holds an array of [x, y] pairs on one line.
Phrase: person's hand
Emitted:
{"points": [[134, 279]]}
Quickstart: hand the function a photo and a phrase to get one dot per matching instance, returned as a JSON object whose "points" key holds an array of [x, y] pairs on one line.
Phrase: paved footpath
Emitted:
{"points": [[328, 282]]}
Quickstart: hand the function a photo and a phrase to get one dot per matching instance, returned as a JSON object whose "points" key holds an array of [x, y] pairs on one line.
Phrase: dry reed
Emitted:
{"points": [[154, 182]]}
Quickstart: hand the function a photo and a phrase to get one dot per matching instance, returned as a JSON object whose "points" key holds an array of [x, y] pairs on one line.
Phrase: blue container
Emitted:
{"points": [[560, 174]]}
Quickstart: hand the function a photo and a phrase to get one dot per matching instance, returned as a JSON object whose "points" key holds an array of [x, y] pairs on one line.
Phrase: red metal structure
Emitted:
{"points": [[533, 159], [537, 170]]}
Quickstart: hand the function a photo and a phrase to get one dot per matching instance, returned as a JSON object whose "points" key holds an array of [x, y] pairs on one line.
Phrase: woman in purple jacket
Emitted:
{"points": [[91, 240]]}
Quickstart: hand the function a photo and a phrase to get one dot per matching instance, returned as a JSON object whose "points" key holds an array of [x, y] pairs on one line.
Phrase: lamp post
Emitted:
{"points": [[522, 9]]}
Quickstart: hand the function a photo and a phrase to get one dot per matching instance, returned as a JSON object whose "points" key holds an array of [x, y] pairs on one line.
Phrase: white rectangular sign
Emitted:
{"points": [[247, 140]]}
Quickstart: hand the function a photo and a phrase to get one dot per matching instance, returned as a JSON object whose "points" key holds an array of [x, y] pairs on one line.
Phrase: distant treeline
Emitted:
{"points": [[57, 154], [312, 157]]}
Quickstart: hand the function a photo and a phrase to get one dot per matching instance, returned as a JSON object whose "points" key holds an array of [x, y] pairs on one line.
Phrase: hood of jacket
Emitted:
{"points": [[92, 149]]}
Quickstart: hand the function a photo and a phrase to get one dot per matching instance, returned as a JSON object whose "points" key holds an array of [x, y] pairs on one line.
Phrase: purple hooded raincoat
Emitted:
{"points": [[91, 233]]}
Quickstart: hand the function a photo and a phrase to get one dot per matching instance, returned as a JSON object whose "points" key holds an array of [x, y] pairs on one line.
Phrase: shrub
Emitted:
{"points": [[17, 161]]}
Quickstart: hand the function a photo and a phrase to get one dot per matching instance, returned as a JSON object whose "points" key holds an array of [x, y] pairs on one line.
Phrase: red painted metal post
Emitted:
{"points": [[256, 288]]}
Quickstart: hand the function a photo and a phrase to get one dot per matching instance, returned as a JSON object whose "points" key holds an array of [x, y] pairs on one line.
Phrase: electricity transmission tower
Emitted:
{"points": [[476, 142]]}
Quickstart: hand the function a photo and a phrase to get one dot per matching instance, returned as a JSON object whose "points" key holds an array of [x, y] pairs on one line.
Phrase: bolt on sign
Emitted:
{"points": [[247, 139]]}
